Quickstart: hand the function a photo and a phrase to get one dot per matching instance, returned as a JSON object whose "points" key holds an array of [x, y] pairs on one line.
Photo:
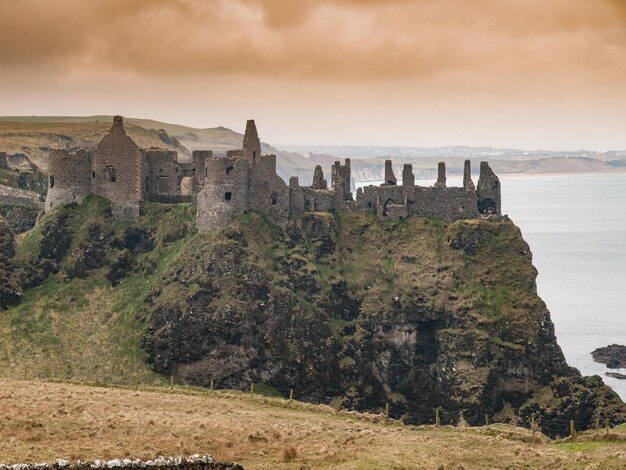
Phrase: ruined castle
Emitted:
{"points": [[245, 180]]}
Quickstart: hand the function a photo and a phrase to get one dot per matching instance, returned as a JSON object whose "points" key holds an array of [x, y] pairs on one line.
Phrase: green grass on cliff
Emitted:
{"points": [[85, 329]]}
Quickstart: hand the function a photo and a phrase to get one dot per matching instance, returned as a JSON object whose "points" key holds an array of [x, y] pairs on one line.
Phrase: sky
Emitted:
{"points": [[529, 74]]}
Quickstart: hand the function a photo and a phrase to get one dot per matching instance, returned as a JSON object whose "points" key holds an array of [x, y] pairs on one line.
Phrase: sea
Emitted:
{"points": [[575, 225]]}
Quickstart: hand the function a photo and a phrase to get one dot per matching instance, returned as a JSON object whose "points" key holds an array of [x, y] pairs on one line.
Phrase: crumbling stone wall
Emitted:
{"points": [[117, 170], [389, 210], [161, 173], [246, 180], [489, 191], [11, 196], [251, 143], [268, 192], [225, 192], [198, 169], [447, 204], [195, 462], [69, 177], [390, 178], [340, 179]]}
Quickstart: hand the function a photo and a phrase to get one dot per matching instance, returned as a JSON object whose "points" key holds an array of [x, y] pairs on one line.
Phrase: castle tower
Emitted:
{"points": [[441, 175], [340, 179], [117, 172], [408, 182], [318, 179], [251, 142], [489, 191], [408, 179], [468, 184], [225, 194], [69, 177], [390, 178]]}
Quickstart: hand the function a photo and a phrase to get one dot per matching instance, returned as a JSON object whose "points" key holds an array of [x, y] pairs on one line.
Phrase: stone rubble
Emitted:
{"points": [[194, 462]]}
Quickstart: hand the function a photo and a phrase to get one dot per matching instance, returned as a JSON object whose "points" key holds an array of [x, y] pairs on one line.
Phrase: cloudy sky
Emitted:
{"points": [[519, 73]]}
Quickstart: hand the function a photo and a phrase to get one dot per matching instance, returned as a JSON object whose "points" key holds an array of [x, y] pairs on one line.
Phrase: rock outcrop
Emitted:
{"points": [[360, 313], [10, 292], [614, 356], [342, 308]]}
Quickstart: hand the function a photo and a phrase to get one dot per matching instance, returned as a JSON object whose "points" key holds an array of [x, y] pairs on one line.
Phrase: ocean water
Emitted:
{"points": [[576, 228]]}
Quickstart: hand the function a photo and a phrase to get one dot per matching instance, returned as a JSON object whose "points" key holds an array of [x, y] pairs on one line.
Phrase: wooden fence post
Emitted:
{"points": [[606, 421], [572, 428], [252, 388], [290, 394], [211, 385], [437, 417], [597, 425], [387, 409], [532, 425], [171, 381], [486, 419]]}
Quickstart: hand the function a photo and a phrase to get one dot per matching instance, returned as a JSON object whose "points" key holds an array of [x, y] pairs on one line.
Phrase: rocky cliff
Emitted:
{"points": [[340, 307]]}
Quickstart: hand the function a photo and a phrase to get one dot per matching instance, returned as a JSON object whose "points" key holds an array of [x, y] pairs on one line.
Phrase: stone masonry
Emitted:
{"points": [[123, 173], [245, 180]]}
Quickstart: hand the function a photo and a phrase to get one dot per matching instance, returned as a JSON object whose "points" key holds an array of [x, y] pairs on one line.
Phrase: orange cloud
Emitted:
{"points": [[419, 56]]}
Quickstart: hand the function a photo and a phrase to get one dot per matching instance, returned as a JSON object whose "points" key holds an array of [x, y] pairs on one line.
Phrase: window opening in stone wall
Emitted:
{"points": [[93, 174], [229, 169], [110, 173], [228, 196], [206, 171], [274, 198], [253, 156], [52, 181], [163, 185], [185, 186], [389, 201]]}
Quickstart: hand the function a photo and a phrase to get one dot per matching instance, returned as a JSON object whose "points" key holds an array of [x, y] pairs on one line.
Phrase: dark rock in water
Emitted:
{"points": [[616, 375], [614, 356]]}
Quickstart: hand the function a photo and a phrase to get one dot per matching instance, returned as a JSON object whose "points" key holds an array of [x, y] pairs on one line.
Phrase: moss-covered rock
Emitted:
{"points": [[342, 308], [10, 291], [347, 309]]}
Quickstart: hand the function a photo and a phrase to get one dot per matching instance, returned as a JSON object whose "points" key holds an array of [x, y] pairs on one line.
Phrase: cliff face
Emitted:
{"points": [[347, 309], [342, 308]]}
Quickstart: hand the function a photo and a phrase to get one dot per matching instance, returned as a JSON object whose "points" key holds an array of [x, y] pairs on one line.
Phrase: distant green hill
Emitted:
{"points": [[33, 136]]}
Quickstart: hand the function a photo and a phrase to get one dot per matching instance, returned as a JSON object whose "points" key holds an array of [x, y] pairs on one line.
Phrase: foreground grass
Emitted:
{"points": [[40, 421]]}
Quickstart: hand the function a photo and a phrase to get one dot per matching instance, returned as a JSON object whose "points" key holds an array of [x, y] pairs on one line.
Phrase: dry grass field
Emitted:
{"points": [[40, 421]]}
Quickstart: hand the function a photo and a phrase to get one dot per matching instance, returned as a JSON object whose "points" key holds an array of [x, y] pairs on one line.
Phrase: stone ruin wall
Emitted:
{"points": [[11, 196], [121, 172], [225, 193], [268, 193], [198, 169], [194, 462], [447, 204], [161, 173], [69, 177], [116, 172], [489, 191], [246, 180]]}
